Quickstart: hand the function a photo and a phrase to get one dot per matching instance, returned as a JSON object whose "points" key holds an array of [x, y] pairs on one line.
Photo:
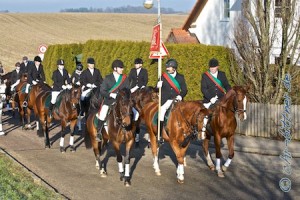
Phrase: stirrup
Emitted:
{"points": [[25, 104]]}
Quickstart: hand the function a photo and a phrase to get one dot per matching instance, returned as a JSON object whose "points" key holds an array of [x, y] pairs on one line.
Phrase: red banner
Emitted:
{"points": [[155, 38]]}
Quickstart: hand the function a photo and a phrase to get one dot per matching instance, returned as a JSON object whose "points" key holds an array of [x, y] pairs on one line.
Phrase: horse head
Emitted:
{"points": [[123, 109], [24, 77], [75, 95], [240, 102]]}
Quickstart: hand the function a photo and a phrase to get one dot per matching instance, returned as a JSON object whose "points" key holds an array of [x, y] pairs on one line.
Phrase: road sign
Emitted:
{"points": [[42, 48], [163, 52]]}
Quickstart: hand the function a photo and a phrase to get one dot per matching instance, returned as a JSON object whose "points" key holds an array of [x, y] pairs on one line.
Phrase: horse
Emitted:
{"points": [[223, 124], [35, 90], [120, 128], [140, 98], [64, 110], [21, 99], [185, 122], [2, 100]]}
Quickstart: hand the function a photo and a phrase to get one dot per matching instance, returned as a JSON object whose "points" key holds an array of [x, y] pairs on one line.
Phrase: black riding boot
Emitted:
{"points": [[161, 141], [50, 109], [99, 130]]}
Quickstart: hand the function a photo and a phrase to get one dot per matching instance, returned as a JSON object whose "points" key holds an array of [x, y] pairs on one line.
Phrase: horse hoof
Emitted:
{"points": [[220, 174], [158, 173], [72, 149], [127, 183], [47, 146], [180, 181], [103, 174], [62, 149], [224, 168], [121, 176]]}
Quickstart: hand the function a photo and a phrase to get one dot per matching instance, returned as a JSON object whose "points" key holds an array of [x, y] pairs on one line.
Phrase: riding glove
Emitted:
{"points": [[89, 85], [64, 87], [132, 90], [159, 84], [69, 86], [113, 95], [93, 85], [34, 82], [178, 98]]}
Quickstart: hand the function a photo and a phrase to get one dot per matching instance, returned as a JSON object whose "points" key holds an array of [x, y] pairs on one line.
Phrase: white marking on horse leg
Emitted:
{"points": [[227, 163], [156, 165], [209, 160], [29, 126], [180, 172], [71, 140], [218, 164], [37, 125], [245, 103], [137, 137], [120, 165], [62, 141], [97, 164], [184, 161], [127, 170], [205, 120]]}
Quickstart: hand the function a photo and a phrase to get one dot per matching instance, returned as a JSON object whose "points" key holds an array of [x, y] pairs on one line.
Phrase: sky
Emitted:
{"points": [[57, 5]]}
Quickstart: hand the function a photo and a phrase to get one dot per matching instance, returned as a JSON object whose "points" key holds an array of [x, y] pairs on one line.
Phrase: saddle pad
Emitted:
{"points": [[155, 117], [48, 100], [23, 89]]}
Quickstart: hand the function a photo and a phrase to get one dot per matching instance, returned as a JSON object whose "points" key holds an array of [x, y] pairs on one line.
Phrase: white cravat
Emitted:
{"points": [[61, 72], [173, 74], [138, 71], [91, 70], [116, 76], [215, 74]]}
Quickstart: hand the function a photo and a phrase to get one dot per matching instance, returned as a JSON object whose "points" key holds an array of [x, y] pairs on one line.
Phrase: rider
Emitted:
{"points": [[35, 73], [24, 65], [90, 78], [214, 84], [109, 90], [173, 86], [77, 74], [15, 76], [138, 76], [61, 81]]}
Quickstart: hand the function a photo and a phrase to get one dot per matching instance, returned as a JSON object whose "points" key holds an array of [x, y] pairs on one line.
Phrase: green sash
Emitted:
{"points": [[216, 81], [173, 82], [121, 79]]}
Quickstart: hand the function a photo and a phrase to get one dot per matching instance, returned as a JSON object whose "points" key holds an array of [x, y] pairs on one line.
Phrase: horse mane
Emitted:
{"points": [[227, 97], [95, 100]]}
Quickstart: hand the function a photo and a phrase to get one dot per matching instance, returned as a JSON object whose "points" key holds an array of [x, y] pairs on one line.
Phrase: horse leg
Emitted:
{"points": [[21, 111], [137, 135], [209, 161], [62, 136], [217, 139], [180, 155], [28, 113], [154, 149], [127, 162], [79, 122], [230, 144], [72, 127], [46, 134], [116, 146], [1, 130]]}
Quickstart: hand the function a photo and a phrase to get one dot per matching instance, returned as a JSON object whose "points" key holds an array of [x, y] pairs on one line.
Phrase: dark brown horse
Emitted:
{"points": [[119, 129], [140, 98], [185, 122], [64, 110], [223, 124], [21, 100]]}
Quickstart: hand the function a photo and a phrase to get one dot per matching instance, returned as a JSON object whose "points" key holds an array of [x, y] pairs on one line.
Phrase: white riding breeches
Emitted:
{"points": [[136, 114], [84, 93], [164, 109], [103, 112], [27, 88], [54, 95]]}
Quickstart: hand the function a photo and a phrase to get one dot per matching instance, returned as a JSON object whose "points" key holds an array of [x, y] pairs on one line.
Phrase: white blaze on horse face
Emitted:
{"points": [[245, 104]]}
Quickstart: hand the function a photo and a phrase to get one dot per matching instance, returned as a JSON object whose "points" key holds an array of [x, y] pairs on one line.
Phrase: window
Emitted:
{"points": [[279, 6], [226, 9]]}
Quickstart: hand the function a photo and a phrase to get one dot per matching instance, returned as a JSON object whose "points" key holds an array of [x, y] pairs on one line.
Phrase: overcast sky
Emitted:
{"points": [[57, 5]]}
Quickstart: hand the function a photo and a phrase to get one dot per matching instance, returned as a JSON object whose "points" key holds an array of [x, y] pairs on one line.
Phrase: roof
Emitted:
{"points": [[179, 35], [198, 7]]}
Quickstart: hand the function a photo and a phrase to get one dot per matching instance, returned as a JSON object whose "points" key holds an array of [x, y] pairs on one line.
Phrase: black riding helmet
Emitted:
{"points": [[172, 63], [79, 67], [138, 61], [117, 63]]}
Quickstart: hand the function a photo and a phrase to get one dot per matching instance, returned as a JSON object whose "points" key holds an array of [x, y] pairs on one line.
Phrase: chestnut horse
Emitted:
{"points": [[223, 124], [64, 110], [120, 128], [185, 123]]}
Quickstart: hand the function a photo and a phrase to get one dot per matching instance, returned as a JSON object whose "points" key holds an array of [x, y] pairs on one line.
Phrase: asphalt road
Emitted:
{"points": [[74, 176]]}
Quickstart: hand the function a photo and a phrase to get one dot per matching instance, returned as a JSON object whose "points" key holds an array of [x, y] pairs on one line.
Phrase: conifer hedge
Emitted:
{"points": [[192, 59]]}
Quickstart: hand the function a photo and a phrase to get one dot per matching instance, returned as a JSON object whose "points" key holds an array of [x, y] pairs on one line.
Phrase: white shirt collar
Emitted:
{"points": [[174, 74], [215, 74], [116, 75]]}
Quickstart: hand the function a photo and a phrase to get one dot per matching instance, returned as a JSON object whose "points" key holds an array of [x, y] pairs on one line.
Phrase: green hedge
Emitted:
{"points": [[192, 59]]}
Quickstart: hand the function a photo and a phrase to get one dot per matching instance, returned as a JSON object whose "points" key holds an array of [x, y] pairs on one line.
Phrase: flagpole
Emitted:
{"points": [[148, 4]]}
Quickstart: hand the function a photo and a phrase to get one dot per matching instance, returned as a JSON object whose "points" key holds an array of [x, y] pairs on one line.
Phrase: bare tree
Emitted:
{"points": [[261, 26]]}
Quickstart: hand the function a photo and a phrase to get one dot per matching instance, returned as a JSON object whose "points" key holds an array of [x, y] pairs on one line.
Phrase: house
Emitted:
{"points": [[212, 22]]}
